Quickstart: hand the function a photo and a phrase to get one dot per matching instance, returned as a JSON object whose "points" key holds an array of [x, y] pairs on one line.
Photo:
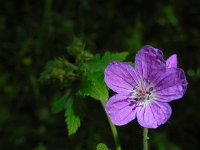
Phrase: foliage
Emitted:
{"points": [[58, 68], [93, 83], [72, 120], [91, 79], [102, 146], [59, 103]]}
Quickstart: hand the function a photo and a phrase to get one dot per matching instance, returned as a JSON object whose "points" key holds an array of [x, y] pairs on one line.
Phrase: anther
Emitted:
{"points": [[131, 104], [151, 89], [148, 92]]}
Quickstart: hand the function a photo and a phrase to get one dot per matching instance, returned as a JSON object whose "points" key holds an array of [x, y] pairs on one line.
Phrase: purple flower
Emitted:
{"points": [[143, 91]]}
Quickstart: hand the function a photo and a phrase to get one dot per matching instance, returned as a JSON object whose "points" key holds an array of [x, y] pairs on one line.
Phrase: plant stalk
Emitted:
{"points": [[114, 131], [145, 139]]}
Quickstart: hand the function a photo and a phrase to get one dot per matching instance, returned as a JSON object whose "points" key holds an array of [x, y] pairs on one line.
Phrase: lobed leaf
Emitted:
{"points": [[93, 83], [95, 88], [102, 146], [73, 120], [99, 64], [59, 103]]}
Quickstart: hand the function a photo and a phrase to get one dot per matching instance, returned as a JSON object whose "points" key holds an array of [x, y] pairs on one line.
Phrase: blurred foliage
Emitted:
{"points": [[163, 143], [47, 74], [87, 73]]}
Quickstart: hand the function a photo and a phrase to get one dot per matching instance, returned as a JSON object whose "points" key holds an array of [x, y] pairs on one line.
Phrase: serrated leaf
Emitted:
{"points": [[73, 120], [121, 56], [102, 146], [93, 83], [99, 64], [95, 88], [59, 103]]}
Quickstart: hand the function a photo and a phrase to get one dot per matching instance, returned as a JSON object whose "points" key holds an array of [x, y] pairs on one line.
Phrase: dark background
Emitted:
{"points": [[32, 32]]}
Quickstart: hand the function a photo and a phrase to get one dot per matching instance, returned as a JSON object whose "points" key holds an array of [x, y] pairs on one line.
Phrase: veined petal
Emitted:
{"points": [[170, 84], [172, 62], [120, 110], [149, 59], [120, 77], [153, 114]]}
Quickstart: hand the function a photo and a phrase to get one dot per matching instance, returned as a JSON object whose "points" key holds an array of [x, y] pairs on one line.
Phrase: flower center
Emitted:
{"points": [[143, 92]]}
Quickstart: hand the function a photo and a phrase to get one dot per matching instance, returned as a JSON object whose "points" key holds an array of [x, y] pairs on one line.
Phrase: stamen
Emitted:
{"points": [[142, 92], [132, 100], [151, 89], [131, 104], [148, 92]]}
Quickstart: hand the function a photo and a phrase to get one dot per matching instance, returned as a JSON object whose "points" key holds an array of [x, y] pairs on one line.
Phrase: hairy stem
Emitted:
{"points": [[114, 132], [145, 139]]}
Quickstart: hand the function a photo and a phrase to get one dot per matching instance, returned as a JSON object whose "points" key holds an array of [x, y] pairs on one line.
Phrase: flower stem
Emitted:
{"points": [[145, 139], [114, 132]]}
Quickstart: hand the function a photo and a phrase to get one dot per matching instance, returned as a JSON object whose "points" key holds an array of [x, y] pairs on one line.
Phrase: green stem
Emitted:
{"points": [[145, 139], [114, 132]]}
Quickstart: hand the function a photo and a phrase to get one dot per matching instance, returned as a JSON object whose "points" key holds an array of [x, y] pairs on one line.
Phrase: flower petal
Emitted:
{"points": [[149, 59], [153, 114], [172, 62], [120, 77], [120, 110], [170, 84]]}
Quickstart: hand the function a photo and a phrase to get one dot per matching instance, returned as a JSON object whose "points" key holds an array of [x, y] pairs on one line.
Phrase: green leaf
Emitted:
{"points": [[102, 146], [114, 56], [73, 120], [95, 88], [99, 64], [93, 82], [59, 103]]}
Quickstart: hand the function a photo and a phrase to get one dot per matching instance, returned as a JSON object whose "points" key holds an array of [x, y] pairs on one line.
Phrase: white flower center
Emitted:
{"points": [[143, 93]]}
